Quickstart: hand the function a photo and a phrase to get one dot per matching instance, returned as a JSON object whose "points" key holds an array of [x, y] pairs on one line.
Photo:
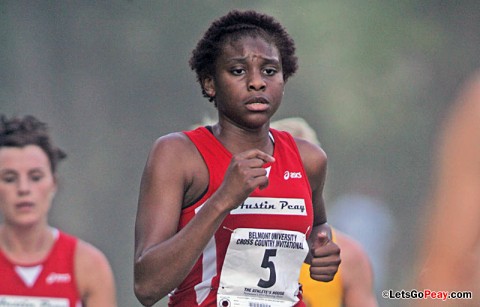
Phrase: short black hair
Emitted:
{"points": [[234, 25], [21, 132]]}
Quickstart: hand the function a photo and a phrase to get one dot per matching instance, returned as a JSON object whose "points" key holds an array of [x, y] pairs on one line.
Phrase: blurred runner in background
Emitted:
{"points": [[353, 284], [450, 249]]}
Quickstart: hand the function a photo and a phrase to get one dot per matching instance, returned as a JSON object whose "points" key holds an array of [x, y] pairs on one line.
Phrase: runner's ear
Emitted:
{"points": [[208, 84]]}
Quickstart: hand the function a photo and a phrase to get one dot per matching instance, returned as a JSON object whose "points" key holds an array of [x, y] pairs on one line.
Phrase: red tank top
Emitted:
{"points": [[55, 284], [287, 180]]}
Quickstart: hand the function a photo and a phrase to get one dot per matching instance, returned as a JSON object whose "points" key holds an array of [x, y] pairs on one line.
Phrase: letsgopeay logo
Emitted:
{"points": [[292, 175]]}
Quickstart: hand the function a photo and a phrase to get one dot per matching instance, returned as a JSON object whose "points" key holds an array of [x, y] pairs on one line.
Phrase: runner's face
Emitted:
{"points": [[248, 84], [27, 185]]}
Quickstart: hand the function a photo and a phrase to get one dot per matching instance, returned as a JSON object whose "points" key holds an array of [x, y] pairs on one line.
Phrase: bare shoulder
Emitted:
{"points": [[174, 153], [313, 156], [356, 264], [94, 276], [356, 272], [172, 146], [177, 156], [352, 251], [90, 257], [463, 116], [469, 97]]}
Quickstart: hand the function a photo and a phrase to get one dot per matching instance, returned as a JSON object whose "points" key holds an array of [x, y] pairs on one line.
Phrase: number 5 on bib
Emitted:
{"points": [[262, 267]]}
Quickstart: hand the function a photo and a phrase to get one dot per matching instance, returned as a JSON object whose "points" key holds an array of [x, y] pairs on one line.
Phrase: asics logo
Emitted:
{"points": [[293, 175], [62, 278]]}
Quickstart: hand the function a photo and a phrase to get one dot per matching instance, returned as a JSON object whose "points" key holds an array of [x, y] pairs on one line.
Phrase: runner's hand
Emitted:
{"points": [[244, 174], [325, 258]]}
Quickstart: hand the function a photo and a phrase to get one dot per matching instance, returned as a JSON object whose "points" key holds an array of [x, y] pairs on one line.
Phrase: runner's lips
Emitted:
{"points": [[24, 204], [257, 100]]}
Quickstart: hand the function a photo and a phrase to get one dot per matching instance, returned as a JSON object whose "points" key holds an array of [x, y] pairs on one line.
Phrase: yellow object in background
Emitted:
{"points": [[317, 293]]}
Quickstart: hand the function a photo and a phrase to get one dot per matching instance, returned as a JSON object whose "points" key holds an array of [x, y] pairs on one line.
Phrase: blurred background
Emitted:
{"points": [[109, 77]]}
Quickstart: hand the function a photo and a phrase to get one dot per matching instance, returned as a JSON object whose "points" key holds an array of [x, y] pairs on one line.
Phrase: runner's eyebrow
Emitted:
{"points": [[268, 60]]}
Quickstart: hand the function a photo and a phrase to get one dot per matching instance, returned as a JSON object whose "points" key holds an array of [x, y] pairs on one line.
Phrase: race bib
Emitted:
{"points": [[30, 301], [261, 268]]}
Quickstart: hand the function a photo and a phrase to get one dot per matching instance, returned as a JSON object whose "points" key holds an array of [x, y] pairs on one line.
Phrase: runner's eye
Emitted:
{"points": [[269, 71], [36, 176], [9, 178], [238, 71]]}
